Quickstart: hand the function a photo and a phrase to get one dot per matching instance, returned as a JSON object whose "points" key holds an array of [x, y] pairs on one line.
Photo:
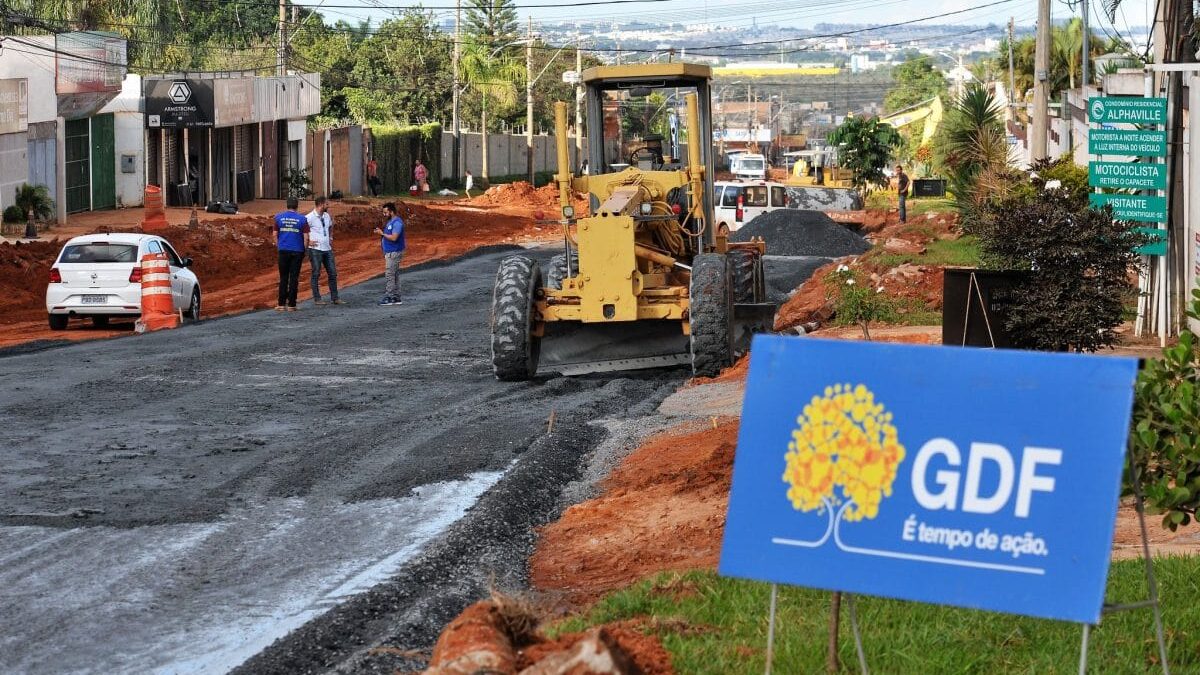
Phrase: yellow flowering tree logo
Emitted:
{"points": [[843, 439]]}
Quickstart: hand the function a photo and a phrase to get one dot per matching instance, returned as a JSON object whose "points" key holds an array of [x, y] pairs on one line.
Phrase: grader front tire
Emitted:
{"points": [[711, 315], [515, 349]]}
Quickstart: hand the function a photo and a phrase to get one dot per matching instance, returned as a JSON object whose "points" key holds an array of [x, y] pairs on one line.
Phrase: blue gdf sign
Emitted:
{"points": [[976, 478]]}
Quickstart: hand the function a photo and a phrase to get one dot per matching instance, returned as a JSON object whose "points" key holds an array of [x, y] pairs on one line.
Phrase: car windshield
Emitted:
{"points": [[100, 252], [752, 164]]}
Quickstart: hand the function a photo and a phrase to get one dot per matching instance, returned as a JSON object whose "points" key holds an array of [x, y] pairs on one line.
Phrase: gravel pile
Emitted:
{"points": [[793, 232], [786, 273]]}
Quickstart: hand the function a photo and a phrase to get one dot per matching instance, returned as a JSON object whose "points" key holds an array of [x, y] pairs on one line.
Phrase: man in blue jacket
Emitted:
{"points": [[291, 238], [392, 240]]}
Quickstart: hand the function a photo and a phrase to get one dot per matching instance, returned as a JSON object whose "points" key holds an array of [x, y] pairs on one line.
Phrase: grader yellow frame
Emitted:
{"points": [[644, 279]]}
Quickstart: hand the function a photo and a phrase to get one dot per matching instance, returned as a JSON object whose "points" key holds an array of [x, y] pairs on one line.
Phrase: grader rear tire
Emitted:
{"points": [[746, 270], [711, 315], [514, 349]]}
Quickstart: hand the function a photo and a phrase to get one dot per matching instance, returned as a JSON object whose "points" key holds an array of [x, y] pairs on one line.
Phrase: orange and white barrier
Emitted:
{"points": [[158, 309], [155, 217]]}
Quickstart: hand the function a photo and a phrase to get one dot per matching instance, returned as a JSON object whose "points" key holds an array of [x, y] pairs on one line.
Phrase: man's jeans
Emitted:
{"points": [[391, 274], [904, 208], [319, 259]]}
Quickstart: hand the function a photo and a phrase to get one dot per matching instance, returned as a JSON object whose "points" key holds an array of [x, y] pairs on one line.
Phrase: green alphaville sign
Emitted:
{"points": [[1141, 208], [1127, 142], [1133, 175], [1127, 109]]}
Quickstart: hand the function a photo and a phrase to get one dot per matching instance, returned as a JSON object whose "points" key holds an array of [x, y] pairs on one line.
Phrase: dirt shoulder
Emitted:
{"points": [[236, 261]]}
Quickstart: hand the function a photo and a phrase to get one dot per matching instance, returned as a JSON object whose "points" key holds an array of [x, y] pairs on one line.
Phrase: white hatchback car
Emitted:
{"points": [[99, 276]]}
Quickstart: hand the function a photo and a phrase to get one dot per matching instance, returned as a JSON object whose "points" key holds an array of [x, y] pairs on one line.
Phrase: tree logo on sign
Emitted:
{"points": [[844, 439]]}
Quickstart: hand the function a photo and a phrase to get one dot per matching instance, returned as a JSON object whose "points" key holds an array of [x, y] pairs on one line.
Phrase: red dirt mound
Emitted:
{"points": [[24, 272], [522, 194], [501, 636], [662, 509]]}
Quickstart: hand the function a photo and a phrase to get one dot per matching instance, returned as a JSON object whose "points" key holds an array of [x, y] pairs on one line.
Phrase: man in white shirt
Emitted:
{"points": [[320, 251]]}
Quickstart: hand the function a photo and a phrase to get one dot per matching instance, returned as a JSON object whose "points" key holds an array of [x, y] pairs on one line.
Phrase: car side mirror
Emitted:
{"points": [[186, 262]]}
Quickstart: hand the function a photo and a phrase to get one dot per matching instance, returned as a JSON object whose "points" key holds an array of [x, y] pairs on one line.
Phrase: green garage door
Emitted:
{"points": [[78, 169], [104, 163]]}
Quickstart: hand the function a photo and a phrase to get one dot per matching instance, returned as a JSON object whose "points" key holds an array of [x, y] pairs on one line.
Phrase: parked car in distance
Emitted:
{"points": [[739, 202], [749, 166], [99, 277]]}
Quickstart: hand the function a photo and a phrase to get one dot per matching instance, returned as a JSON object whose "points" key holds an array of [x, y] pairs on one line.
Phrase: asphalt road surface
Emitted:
{"points": [[280, 492]]}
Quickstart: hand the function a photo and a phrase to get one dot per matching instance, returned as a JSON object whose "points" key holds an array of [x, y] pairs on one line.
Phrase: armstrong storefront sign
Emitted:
{"points": [[977, 478], [175, 104]]}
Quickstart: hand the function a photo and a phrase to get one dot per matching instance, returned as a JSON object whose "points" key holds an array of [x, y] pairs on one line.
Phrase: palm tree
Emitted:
{"points": [[972, 142], [1068, 49], [495, 76], [35, 202]]}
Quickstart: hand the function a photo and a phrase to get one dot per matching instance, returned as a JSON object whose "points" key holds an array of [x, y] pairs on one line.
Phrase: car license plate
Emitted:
{"points": [[95, 299]]}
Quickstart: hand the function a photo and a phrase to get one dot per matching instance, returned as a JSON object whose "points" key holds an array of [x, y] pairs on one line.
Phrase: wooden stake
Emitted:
{"points": [[832, 664]]}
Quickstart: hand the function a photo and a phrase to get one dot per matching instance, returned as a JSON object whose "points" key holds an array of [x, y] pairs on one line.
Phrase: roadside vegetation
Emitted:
{"points": [[711, 624]]}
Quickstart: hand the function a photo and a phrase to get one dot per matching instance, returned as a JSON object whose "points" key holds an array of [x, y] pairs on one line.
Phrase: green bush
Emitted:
{"points": [[1165, 441], [14, 214], [1079, 259], [398, 148]]}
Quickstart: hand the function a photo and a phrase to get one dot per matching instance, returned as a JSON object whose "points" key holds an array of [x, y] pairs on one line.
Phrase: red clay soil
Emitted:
{"points": [[921, 284], [236, 261], [662, 509], [648, 654], [523, 195], [502, 637]]}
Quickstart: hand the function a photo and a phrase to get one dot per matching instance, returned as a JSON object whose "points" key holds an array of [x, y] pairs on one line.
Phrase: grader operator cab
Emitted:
{"points": [[644, 279]]}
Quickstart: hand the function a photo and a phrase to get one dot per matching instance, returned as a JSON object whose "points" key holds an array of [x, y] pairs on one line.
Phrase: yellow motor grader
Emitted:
{"points": [[644, 279]]}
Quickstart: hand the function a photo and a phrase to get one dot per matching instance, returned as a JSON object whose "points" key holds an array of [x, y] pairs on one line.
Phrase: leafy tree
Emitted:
{"points": [[915, 81], [401, 72], [491, 22], [865, 146]]}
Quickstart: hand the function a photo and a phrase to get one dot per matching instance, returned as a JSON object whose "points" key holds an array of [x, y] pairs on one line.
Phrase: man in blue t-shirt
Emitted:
{"points": [[291, 238], [392, 239]]}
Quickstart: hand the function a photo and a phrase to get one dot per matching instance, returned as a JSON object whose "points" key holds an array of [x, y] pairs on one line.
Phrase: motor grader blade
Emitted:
{"points": [[573, 348]]}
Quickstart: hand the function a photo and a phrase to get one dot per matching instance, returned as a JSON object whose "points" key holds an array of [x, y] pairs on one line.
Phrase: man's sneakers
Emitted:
{"points": [[280, 308], [387, 300], [319, 302], [339, 302]]}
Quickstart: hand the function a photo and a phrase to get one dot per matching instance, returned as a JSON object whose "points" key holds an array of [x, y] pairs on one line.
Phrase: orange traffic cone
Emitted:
{"points": [[155, 217], [158, 310]]}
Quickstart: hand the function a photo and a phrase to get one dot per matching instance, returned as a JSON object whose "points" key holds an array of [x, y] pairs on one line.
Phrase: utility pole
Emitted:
{"points": [[1012, 77], [454, 123], [1086, 51], [281, 55], [578, 102], [1041, 84], [529, 100]]}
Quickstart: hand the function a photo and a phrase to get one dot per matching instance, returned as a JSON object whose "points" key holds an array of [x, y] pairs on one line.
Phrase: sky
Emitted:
{"points": [[797, 13]]}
